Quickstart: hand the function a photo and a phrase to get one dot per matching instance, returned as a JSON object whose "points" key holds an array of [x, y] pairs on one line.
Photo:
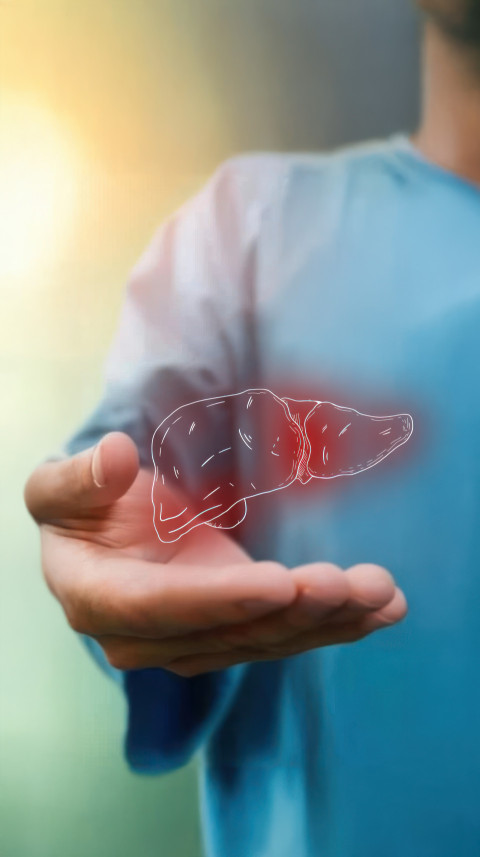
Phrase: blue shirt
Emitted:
{"points": [[354, 276]]}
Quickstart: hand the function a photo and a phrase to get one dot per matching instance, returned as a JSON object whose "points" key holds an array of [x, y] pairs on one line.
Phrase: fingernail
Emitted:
{"points": [[97, 468]]}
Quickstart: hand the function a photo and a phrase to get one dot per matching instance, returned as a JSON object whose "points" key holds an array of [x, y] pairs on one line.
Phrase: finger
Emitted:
{"points": [[395, 611], [109, 593], [129, 653], [371, 588], [200, 663], [322, 589], [332, 633], [325, 594], [329, 635], [96, 477]]}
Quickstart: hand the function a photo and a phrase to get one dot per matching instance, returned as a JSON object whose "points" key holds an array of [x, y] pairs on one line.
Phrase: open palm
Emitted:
{"points": [[190, 607]]}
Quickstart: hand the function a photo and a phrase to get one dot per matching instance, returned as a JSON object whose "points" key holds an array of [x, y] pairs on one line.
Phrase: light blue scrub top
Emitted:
{"points": [[355, 276]]}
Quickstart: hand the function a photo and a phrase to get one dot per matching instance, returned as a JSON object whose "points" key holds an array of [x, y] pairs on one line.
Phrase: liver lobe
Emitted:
{"points": [[343, 441], [215, 453], [212, 455]]}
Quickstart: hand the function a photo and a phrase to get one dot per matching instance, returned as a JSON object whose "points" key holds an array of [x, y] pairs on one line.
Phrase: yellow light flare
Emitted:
{"points": [[39, 182]]}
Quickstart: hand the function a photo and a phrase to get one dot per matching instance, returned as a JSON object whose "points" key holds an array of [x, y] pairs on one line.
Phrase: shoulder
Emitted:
{"points": [[244, 186], [257, 181], [228, 214]]}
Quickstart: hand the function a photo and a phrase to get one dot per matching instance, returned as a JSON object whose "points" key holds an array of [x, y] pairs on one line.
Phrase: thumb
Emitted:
{"points": [[94, 478]]}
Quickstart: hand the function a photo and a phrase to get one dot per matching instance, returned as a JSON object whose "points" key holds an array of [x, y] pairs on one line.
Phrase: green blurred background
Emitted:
{"points": [[112, 112]]}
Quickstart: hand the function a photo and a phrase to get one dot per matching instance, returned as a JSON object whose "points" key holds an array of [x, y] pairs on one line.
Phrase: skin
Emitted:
{"points": [[202, 603], [459, 19], [449, 131]]}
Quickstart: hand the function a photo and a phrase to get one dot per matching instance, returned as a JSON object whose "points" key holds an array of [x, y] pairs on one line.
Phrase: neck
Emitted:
{"points": [[449, 132]]}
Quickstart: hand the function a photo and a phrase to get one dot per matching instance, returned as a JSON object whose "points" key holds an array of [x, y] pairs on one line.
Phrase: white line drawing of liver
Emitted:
{"points": [[212, 455]]}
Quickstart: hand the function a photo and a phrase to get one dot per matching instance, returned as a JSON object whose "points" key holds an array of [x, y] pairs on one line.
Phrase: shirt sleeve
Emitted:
{"points": [[186, 331]]}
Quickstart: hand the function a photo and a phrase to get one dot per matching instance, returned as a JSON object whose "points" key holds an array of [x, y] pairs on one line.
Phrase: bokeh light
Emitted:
{"points": [[39, 177]]}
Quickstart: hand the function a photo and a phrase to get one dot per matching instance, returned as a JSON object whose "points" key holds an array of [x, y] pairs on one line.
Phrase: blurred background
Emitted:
{"points": [[112, 112]]}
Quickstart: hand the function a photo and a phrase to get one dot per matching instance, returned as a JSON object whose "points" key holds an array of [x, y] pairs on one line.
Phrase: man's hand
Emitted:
{"points": [[192, 607]]}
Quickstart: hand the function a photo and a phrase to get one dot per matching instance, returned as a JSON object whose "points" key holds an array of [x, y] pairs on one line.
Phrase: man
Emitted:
{"points": [[355, 273]]}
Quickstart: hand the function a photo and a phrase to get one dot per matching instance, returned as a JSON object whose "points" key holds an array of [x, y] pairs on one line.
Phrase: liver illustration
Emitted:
{"points": [[212, 455]]}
